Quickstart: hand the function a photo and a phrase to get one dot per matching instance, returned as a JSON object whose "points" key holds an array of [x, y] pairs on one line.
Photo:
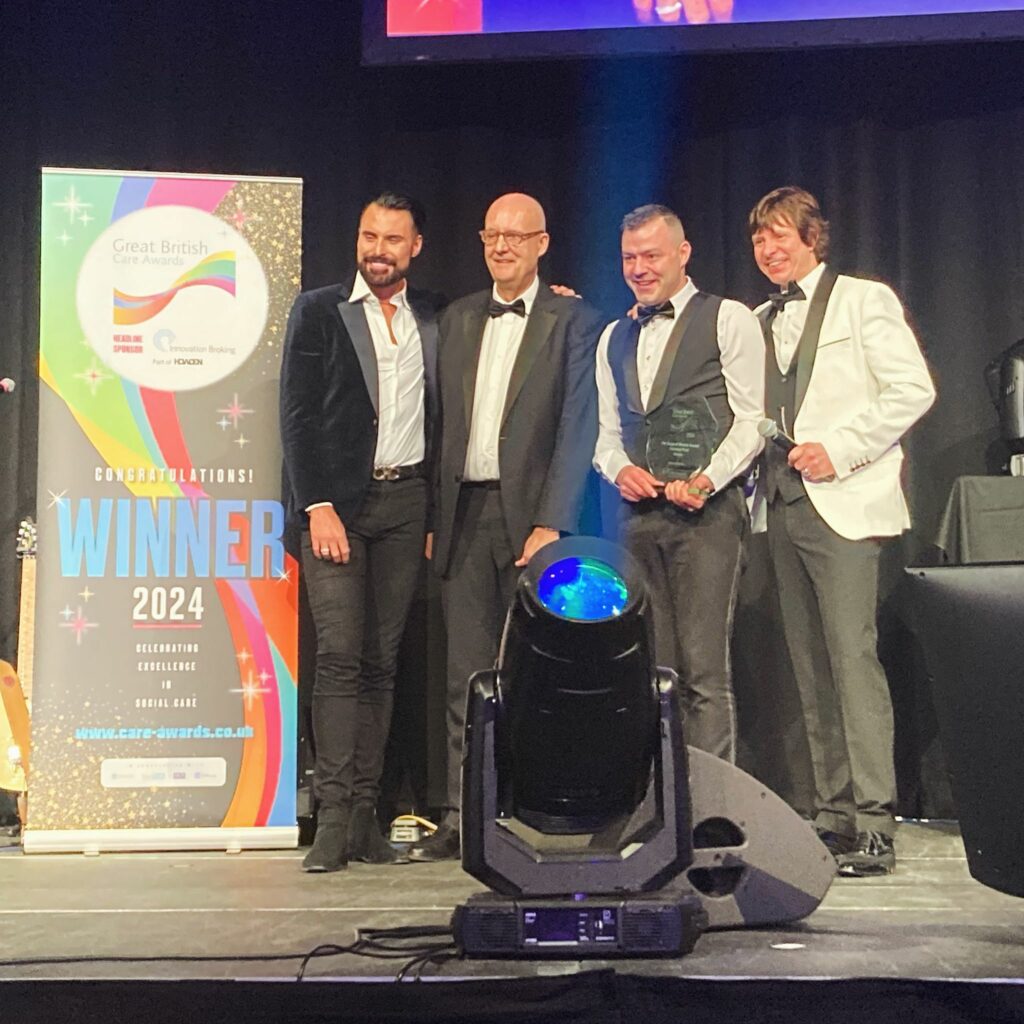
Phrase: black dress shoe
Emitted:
{"points": [[873, 854], [442, 845], [329, 851], [838, 844], [365, 842]]}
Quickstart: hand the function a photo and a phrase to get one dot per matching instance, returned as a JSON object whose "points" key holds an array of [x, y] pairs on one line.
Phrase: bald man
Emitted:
{"points": [[518, 426]]}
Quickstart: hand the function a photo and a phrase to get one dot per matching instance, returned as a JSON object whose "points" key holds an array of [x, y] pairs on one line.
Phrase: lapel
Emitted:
{"points": [[630, 374], [426, 324], [683, 321], [474, 320], [808, 347], [770, 360], [539, 325], [354, 317]]}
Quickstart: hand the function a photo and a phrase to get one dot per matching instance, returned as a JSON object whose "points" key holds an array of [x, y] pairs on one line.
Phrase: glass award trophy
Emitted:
{"points": [[683, 437]]}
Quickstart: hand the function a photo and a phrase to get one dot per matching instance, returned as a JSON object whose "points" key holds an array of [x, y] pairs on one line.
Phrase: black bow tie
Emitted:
{"points": [[779, 299], [497, 308], [645, 314]]}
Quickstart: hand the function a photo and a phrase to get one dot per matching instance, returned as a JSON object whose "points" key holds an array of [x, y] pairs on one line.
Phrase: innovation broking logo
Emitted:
{"points": [[218, 270]]}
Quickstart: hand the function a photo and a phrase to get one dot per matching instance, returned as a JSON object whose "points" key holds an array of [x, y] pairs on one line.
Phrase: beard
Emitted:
{"points": [[380, 276]]}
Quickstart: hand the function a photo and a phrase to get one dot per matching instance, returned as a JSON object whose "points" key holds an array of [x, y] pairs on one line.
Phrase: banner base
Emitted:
{"points": [[115, 840]]}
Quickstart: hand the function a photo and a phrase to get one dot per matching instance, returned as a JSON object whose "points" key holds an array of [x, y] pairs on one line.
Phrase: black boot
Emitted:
{"points": [[329, 851], [872, 855], [365, 841], [442, 845]]}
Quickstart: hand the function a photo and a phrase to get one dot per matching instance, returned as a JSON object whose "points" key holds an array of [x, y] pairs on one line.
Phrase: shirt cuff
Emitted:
{"points": [[613, 464], [317, 504]]}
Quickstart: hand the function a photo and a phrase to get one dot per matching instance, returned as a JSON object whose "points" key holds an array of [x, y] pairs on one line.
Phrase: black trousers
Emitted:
{"points": [[828, 592], [359, 610], [475, 596], [692, 563]]}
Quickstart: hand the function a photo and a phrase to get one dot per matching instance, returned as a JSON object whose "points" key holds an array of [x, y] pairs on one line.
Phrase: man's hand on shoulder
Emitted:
{"points": [[565, 291]]}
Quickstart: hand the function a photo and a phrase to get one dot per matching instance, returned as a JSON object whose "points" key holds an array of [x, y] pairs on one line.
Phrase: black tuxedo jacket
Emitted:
{"points": [[329, 400], [549, 423]]}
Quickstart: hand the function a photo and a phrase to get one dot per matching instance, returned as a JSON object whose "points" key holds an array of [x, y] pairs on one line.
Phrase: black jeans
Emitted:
{"points": [[360, 610], [692, 563]]}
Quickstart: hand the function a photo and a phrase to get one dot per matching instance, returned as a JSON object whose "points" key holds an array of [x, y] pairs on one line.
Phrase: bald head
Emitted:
{"points": [[515, 238], [520, 207]]}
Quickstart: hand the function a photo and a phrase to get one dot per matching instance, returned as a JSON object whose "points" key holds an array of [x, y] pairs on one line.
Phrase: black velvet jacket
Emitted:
{"points": [[329, 398]]}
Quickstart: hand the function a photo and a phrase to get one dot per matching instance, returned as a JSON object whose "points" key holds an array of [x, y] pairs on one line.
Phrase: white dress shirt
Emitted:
{"points": [[401, 410], [741, 345], [502, 337], [401, 419], [788, 324]]}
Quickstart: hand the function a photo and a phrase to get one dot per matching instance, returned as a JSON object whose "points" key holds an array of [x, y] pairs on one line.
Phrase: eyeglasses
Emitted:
{"points": [[513, 239]]}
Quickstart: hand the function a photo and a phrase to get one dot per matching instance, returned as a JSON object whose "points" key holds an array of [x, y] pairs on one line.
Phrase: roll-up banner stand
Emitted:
{"points": [[164, 711]]}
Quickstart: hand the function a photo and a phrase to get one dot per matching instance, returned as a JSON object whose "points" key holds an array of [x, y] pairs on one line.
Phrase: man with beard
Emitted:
{"points": [[358, 397]]}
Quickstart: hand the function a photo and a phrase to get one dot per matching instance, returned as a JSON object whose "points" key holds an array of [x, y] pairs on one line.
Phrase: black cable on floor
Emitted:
{"points": [[372, 943], [422, 931], [417, 963], [170, 959]]}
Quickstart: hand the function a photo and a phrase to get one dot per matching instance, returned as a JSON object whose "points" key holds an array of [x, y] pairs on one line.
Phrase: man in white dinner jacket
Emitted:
{"points": [[845, 379]]}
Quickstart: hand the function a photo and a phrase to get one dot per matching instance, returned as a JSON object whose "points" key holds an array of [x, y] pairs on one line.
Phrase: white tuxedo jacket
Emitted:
{"points": [[868, 385]]}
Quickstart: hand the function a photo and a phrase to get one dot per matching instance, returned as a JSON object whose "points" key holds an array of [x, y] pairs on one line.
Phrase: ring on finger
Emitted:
{"points": [[325, 551]]}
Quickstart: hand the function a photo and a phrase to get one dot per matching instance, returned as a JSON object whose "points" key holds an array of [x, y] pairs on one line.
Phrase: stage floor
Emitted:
{"points": [[930, 920]]}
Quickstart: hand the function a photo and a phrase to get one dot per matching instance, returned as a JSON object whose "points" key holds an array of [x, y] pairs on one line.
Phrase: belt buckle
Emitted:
{"points": [[385, 472]]}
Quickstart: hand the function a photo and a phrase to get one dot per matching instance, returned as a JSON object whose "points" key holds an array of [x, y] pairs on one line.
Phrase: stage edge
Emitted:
{"points": [[120, 840]]}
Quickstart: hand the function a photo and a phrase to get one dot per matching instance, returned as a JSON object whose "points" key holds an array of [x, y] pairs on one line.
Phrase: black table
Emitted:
{"points": [[983, 521]]}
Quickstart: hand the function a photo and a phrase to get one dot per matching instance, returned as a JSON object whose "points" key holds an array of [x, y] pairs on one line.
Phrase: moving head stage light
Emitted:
{"points": [[598, 831]]}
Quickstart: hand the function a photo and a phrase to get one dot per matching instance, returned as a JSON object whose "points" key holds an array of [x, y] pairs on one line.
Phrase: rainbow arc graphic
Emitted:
{"points": [[218, 270]]}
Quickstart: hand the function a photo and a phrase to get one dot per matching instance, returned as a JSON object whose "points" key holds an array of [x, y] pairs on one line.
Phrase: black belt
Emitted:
{"points": [[483, 485], [391, 473]]}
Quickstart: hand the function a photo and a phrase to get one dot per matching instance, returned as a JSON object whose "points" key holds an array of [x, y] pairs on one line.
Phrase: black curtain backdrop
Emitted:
{"points": [[916, 153]]}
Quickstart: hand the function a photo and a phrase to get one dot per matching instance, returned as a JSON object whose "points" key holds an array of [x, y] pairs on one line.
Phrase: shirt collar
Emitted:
{"points": [[810, 281], [361, 292], [683, 296], [528, 297]]}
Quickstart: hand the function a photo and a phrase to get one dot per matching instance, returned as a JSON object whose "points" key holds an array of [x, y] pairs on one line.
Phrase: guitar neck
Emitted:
{"points": [[27, 625]]}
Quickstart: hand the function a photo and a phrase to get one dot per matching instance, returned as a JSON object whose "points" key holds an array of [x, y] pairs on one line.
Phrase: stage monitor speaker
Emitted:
{"points": [[970, 621], [755, 860]]}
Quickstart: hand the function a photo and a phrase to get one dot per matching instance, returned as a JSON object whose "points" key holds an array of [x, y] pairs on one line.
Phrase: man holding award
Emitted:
{"points": [[681, 393]]}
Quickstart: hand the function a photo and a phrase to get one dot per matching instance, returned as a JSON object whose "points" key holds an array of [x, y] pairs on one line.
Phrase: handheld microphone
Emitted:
{"points": [[6, 385], [770, 431]]}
